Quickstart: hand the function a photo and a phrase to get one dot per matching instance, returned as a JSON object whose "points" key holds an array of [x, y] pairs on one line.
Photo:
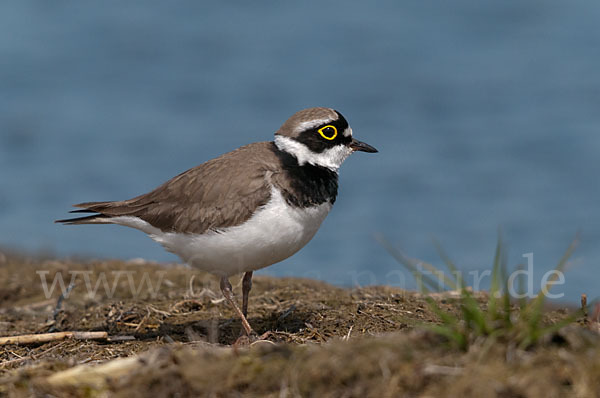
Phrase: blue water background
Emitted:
{"points": [[486, 115]]}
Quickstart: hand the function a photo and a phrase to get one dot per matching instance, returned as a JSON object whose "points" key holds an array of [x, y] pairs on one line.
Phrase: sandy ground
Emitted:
{"points": [[170, 333]]}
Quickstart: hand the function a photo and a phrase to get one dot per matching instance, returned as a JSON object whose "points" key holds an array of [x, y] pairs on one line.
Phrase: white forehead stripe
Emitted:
{"points": [[348, 132], [309, 124], [331, 158]]}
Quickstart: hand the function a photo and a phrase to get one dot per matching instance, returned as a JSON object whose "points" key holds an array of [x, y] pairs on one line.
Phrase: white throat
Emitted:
{"points": [[331, 158]]}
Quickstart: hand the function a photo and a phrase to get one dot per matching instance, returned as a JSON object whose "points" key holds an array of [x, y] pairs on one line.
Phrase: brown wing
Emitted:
{"points": [[220, 193]]}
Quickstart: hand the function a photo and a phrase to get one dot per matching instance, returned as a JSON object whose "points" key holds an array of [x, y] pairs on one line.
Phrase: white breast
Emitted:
{"points": [[272, 234]]}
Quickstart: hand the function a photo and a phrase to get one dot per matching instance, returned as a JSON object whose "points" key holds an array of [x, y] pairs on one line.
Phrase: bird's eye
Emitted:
{"points": [[328, 132]]}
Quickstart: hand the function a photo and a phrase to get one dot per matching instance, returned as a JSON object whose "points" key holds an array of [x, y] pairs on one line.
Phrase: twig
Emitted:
{"points": [[191, 293], [13, 361], [47, 337], [114, 339], [137, 326], [160, 312], [31, 356], [206, 292], [15, 354], [347, 336], [60, 300], [144, 319], [59, 304], [177, 305]]}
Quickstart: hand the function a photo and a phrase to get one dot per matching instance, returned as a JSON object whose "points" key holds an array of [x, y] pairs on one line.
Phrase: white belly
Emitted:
{"points": [[272, 234]]}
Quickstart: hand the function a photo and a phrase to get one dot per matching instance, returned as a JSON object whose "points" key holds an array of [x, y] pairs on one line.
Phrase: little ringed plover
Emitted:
{"points": [[246, 209]]}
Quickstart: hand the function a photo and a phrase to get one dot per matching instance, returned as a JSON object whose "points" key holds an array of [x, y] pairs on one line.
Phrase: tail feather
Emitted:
{"points": [[104, 211], [118, 208], [89, 205], [93, 219], [83, 211]]}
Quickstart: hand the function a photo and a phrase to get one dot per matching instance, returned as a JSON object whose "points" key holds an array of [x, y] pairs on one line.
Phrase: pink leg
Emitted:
{"points": [[228, 294], [246, 286]]}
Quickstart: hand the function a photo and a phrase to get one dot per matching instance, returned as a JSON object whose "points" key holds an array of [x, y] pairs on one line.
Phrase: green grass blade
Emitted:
{"points": [[458, 282], [447, 282], [407, 262], [495, 284], [499, 322], [537, 304]]}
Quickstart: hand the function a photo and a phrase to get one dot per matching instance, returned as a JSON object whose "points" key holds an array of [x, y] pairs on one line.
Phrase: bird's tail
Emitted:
{"points": [[99, 216]]}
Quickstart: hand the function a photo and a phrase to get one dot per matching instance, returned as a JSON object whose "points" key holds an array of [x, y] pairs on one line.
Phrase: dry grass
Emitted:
{"points": [[327, 341]]}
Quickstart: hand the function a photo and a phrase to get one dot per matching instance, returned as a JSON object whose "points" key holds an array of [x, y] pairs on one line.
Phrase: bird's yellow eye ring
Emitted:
{"points": [[328, 132]]}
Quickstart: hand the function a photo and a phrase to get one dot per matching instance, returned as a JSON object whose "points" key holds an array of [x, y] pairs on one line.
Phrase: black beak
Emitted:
{"points": [[357, 145]]}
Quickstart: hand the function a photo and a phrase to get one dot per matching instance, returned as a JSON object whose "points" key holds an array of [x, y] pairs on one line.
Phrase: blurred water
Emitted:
{"points": [[485, 115]]}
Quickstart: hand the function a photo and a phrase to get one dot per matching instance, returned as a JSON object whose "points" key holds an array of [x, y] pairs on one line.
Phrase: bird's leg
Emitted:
{"points": [[246, 286], [228, 294]]}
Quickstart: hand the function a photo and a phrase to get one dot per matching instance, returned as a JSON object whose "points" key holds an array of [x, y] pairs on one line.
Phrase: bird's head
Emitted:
{"points": [[319, 136]]}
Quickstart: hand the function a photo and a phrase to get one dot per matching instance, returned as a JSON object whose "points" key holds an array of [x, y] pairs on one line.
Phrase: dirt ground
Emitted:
{"points": [[170, 333]]}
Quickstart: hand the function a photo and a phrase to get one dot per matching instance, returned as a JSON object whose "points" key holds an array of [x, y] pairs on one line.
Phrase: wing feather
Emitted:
{"points": [[217, 194]]}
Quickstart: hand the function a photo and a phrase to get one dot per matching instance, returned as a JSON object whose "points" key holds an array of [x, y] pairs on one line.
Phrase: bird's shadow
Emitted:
{"points": [[226, 331]]}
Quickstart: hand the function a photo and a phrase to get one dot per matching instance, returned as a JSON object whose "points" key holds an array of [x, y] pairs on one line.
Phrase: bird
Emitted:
{"points": [[246, 209]]}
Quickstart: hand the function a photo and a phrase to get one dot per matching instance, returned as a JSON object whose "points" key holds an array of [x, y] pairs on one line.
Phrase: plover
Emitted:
{"points": [[247, 209]]}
